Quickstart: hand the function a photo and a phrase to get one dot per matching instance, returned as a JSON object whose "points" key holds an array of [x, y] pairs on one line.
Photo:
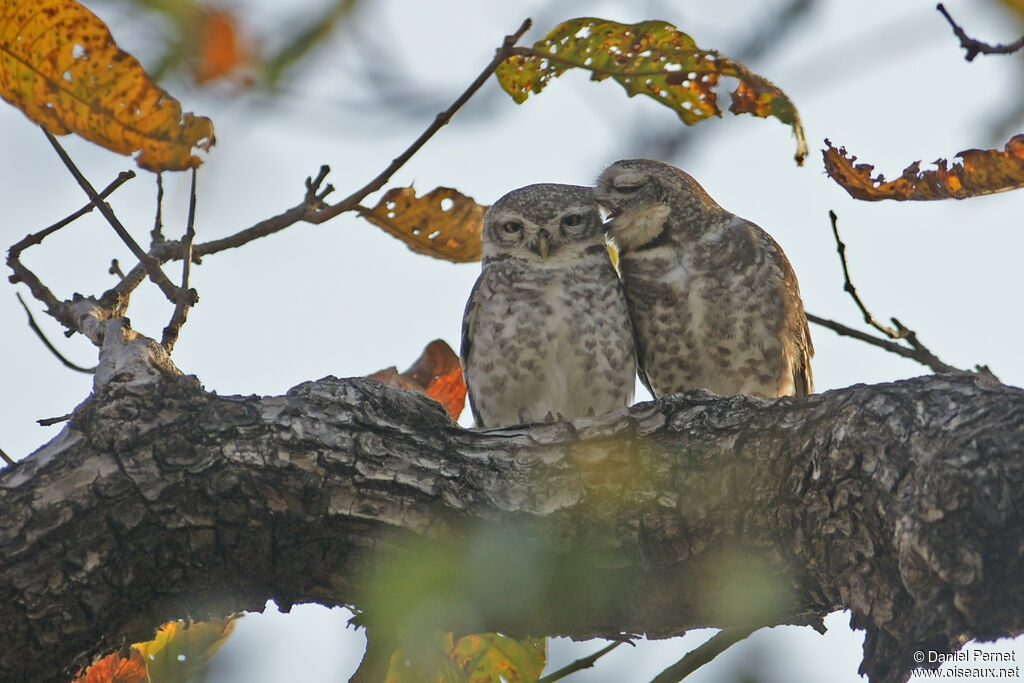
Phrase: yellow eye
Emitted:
{"points": [[572, 220], [511, 227]]}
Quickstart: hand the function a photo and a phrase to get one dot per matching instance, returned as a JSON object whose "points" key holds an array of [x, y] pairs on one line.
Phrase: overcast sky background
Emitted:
{"points": [[885, 79]]}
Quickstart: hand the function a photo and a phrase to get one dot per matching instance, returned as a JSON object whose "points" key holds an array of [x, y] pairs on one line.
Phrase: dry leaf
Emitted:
{"points": [[492, 658], [115, 669], [981, 172], [436, 373], [443, 223], [651, 58], [61, 67]]}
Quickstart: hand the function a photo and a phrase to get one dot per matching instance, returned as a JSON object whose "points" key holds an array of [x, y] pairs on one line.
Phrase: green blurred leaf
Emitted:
{"points": [[651, 58]]}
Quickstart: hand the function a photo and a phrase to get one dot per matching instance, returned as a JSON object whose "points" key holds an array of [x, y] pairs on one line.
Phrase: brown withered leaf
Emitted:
{"points": [[61, 67], [443, 223], [981, 172], [436, 373]]}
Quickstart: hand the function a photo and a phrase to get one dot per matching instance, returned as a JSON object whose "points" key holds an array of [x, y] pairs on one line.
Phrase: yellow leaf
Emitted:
{"points": [[443, 223], [181, 651], [61, 67], [982, 171], [651, 58], [492, 658]]}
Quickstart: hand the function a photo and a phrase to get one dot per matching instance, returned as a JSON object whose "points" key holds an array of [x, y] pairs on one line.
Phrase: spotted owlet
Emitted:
{"points": [[713, 300], [546, 333]]}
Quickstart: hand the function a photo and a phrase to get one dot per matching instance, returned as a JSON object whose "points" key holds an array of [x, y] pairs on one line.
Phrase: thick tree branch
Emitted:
{"points": [[903, 502]]}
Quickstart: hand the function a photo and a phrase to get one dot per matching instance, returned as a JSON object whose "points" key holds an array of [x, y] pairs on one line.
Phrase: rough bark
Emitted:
{"points": [[902, 502]]}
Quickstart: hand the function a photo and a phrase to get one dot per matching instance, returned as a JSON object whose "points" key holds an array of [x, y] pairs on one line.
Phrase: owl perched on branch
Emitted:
{"points": [[546, 335], [713, 300]]}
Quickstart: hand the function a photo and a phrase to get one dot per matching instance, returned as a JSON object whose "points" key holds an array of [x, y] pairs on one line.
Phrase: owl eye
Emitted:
{"points": [[572, 220], [628, 188], [511, 227]]}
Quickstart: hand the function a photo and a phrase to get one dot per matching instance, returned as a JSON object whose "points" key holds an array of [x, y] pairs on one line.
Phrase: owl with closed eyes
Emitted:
{"points": [[546, 335], [713, 299]]}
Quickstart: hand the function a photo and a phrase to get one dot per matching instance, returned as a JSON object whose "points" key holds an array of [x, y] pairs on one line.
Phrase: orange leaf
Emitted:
{"points": [[61, 67], [222, 47], [982, 171], [436, 373], [442, 223], [115, 669]]}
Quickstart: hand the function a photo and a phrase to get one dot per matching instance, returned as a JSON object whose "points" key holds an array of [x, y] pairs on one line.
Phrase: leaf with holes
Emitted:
{"points": [[436, 373], [492, 658], [651, 58], [443, 223], [61, 67], [981, 172]]}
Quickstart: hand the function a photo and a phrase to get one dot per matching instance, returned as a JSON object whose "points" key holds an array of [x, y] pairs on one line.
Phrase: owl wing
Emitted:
{"points": [[797, 343], [468, 330]]}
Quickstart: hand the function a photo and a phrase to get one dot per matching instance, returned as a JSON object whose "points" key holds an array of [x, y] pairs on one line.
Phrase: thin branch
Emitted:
{"points": [[313, 210], [187, 297], [48, 421], [54, 306], [6, 458], [579, 664], [38, 237], [697, 658], [886, 344], [975, 47], [46, 342], [851, 290], [151, 264], [918, 351], [115, 268], [157, 233]]}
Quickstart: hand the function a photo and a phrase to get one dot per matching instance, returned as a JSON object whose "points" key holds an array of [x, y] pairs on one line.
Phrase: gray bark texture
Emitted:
{"points": [[902, 502]]}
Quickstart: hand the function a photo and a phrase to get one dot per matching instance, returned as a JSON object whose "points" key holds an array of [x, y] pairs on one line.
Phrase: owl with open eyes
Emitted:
{"points": [[546, 334], [713, 299]]}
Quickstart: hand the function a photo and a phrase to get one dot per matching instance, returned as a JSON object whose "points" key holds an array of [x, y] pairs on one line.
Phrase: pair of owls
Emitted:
{"points": [[702, 299]]}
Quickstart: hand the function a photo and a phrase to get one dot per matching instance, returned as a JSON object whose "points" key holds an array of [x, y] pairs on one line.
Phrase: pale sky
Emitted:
{"points": [[885, 79]]}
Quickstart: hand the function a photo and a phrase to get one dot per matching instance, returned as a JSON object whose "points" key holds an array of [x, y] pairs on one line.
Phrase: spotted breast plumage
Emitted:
{"points": [[713, 299], [546, 334]]}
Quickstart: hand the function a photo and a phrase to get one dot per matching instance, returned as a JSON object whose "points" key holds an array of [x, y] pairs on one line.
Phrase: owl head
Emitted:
{"points": [[640, 194], [545, 224]]}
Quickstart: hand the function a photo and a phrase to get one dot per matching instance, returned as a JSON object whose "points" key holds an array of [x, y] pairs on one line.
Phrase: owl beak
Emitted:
{"points": [[542, 244]]}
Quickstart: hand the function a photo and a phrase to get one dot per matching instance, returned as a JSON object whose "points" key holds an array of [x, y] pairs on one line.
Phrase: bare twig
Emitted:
{"points": [[313, 210], [187, 297], [48, 421], [579, 664], [22, 274], [917, 351], [151, 264], [115, 268], [851, 290], [38, 237], [975, 47], [157, 234], [46, 342], [697, 658], [6, 458]]}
